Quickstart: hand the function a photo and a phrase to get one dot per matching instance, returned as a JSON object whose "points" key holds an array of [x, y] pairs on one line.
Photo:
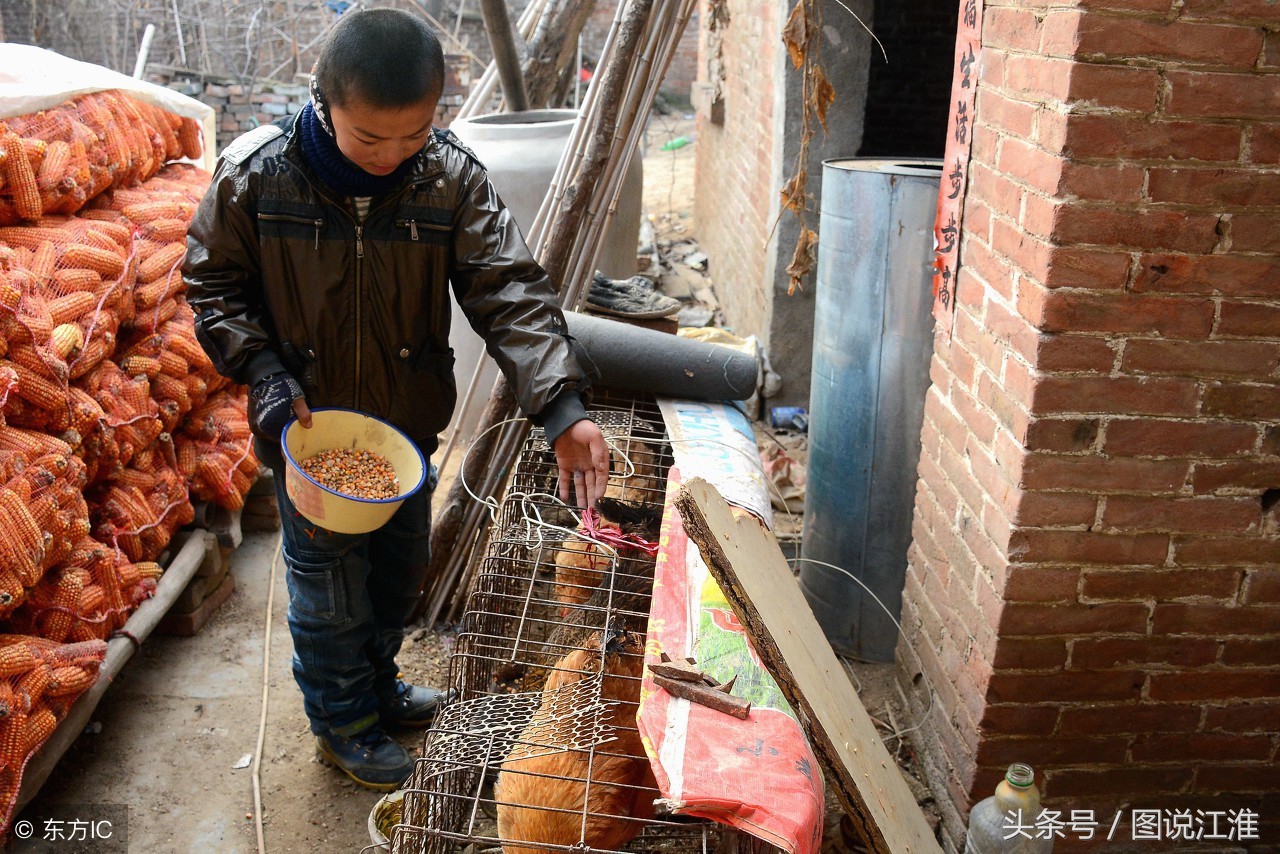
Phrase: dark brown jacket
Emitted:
{"points": [[281, 277]]}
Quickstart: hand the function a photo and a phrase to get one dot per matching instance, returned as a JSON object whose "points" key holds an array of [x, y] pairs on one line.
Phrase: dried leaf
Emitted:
{"points": [[823, 95], [795, 35], [803, 259], [793, 193]]}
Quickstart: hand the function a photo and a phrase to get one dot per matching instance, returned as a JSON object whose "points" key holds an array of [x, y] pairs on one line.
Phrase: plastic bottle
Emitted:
{"points": [[993, 831]]}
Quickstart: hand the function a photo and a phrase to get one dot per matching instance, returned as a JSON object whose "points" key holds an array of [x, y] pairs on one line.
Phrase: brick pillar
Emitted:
{"points": [[1093, 585]]}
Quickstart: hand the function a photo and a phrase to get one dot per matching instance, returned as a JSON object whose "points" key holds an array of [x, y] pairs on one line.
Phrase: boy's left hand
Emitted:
{"points": [[583, 459]]}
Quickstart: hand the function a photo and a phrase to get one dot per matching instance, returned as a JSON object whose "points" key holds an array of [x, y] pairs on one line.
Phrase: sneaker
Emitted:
{"points": [[410, 706], [370, 757]]}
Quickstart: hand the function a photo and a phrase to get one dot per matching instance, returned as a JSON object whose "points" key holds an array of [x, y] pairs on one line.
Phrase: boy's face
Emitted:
{"points": [[378, 139]]}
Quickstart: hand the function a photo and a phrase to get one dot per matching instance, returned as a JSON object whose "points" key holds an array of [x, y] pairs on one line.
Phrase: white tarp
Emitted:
{"points": [[34, 79]]}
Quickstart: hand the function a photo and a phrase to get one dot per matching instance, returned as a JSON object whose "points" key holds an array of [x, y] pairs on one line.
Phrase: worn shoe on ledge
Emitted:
{"points": [[370, 757], [410, 705]]}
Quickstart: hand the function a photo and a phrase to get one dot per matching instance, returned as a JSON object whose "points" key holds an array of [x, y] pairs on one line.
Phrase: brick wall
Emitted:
{"points": [[684, 65], [736, 181], [1093, 584], [241, 108]]}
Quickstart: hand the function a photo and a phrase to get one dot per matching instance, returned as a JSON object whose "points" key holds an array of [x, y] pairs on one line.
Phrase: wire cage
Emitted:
{"points": [[539, 750]]}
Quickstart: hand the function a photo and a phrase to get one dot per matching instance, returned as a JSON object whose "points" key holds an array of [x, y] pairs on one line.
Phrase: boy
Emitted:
{"points": [[318, 267]]}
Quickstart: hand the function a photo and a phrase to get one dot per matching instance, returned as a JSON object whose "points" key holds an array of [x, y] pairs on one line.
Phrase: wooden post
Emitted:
{"points": [[497, 23]]}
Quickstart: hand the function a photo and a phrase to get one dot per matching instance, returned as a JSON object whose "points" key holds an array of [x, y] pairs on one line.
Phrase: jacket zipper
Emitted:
{"points": [[359, 303], [317, 223], [412, 225]]}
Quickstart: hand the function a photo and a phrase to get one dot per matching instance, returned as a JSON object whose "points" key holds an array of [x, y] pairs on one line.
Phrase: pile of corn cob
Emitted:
{"points": [[111, 414]]}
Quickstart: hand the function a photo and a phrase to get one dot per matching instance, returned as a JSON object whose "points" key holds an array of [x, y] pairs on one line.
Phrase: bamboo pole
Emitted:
{"points": [[459, 516], [497, 24]]}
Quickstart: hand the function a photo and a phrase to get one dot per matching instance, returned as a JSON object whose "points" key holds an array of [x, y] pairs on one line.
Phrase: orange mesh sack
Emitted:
{"points": [[215, 449], [39, 681], [55, 161]]}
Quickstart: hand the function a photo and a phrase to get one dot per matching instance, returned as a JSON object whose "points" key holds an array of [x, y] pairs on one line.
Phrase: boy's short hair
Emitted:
{"points": [[384, 57]]}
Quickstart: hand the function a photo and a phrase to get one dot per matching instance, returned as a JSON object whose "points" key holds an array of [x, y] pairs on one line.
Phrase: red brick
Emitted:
{"points": [[1252, 474], [1215, 685], [1150, 437], [1236, 778], [1219, 551], [1173, 317], [1040, 752], [1161, 585], [1055, 509], [1073, 267], [1001, 192], [1254, 231], [1254, 652], [1184, 231], [1260, 320], [1271, 441], [1242, 187], [1262, 11], [1032, 545], [1097, 686], [1005, 114], [1242, 717], [1232, 275], [1215, 620], [1040, 584], [1099, 474], [1201, 747], [1243, 401], [1010, 328], [1210, 95], [1072, 353], [1263, 587], [1043, 620], [1019, 719], [1114, 87], [979, 422], [981, 270], [1119, 395], [1090, 653], [1011, 28], [1201, 515], [1108, 37], [1029, 164], [1201, 358], [1106, 183], [1071, 783], [1031, 654], [1037, 78], [1129, 718], [1121, 138], [1064, 434], [1264, 141], [1008, 412]]}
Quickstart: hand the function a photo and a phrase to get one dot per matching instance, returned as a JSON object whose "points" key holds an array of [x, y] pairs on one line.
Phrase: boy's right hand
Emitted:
{"points": [[271, 403]]}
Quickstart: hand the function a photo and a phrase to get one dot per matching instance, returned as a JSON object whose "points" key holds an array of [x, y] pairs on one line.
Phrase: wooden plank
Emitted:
{"points": [[747, 562]]}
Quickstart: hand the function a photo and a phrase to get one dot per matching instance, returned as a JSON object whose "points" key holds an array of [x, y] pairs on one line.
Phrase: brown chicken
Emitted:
{"points": [[641, 482], [582, 565], [543, 782]]}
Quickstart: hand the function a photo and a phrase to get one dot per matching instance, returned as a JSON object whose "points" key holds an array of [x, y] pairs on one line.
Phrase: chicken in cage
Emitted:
{"points": [[541, 751]]}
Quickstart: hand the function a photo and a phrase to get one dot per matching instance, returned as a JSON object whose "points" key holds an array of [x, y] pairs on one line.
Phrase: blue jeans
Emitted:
{"points": [[349, 598]]}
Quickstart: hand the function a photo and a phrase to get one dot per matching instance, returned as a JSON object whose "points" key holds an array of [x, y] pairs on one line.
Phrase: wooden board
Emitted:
{"points": [[746, 561]]}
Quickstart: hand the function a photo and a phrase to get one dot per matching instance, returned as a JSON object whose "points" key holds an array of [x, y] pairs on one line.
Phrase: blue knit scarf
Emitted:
{"points": [[334, 169]]}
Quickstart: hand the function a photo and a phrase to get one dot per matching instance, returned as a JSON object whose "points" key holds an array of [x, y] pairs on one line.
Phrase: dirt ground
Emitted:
{"points": [[171, 739]]}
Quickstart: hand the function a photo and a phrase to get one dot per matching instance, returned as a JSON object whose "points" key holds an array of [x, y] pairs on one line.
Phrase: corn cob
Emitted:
{"points": [[93, 354], [54, 168], [173, 365], [31, 687], [31, 445], [98, 240], [8, 702], [16, 656], [21, 178], [118, 233], [66, 598], [70, 680], [30, 237], [189, 136], [13, 738], [71, 279], [67, 339], [37, 390], [71, 307], [150, 211], [35, 150], [43, 261], [164, 230], [39, 726], [147, 366], [39, 358], [109, 264]]}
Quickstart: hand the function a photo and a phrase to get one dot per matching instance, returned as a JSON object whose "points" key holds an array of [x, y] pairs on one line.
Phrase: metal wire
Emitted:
{"points": [[546, 666]]}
